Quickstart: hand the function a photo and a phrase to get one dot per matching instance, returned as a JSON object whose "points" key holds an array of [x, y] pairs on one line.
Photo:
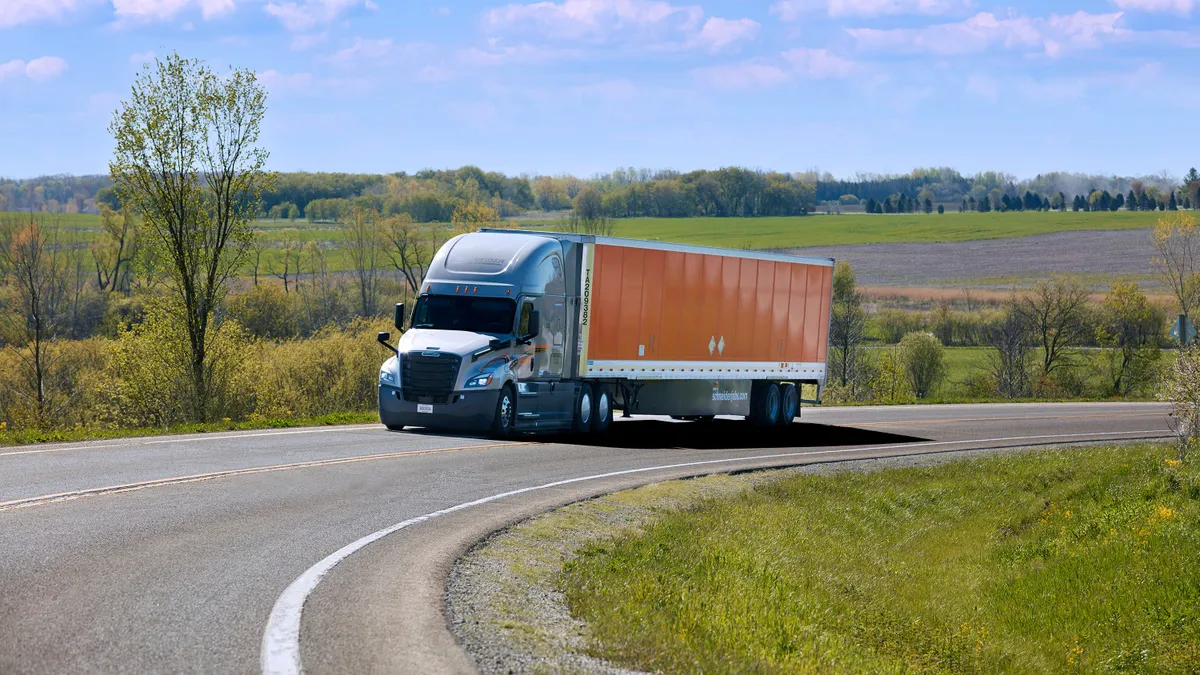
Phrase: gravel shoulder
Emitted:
{"points": [[502, 598]]}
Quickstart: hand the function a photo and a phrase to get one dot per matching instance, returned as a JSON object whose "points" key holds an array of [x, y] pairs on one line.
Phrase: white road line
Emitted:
{"points": [[192, 439], [266, 433], [281, 640]]}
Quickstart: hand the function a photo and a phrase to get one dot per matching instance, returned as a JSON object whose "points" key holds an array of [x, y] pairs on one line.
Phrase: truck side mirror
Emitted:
{"points": [[385, 339], [399, 319], [535, 324]]}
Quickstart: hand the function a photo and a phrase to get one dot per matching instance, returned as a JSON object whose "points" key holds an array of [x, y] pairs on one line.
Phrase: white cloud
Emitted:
{"points": [[984, 87], [820, 64], [163, 10], [38, 70], [303, 16], [363, 50], [613, 90], [1054, 35], [278, 83], [17, 12], [144, 57], [595, 20], [791, 10], [718, 34], [302, 42], [1184, 7], [741, 76], [523, 54]]}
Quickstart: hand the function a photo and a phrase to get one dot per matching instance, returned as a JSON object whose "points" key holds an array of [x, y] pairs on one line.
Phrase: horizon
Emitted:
{"points": [[579, 86]]}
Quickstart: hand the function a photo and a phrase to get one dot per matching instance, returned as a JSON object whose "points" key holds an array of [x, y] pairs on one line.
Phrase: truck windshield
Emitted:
{"points": [[476, 315]]}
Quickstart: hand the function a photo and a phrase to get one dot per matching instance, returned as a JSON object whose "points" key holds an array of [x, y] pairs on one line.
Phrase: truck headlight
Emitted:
{"points": [[388, 374], [479, 382]]}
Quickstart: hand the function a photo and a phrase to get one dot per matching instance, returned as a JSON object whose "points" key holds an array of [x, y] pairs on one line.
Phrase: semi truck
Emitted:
{"points": [[516, 332]]}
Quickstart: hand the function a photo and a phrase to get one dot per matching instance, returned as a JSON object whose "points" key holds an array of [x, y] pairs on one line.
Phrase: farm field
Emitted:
{"points": [[986, 250], [1065, 561]]}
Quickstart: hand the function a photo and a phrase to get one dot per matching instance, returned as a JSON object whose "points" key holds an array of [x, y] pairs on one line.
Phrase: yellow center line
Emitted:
{"points": [[1006, 419], [196, 478]]}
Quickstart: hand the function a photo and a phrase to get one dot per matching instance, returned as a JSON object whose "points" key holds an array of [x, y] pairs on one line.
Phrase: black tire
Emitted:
{"points": [[584, 409], [765, 399], [602, 410], [789, 406], [505, 421]]}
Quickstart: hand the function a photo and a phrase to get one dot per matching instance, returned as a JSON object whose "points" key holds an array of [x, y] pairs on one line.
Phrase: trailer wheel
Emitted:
{"points": [[584, 412], [602, 412], [790, 404], [765, 402], [504, 424]]}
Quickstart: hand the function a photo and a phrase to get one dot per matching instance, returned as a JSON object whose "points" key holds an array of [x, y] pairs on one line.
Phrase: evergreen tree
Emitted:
{"points": [[1077, 204], [963, 208], [1118, 202], [1132, 201], [1045, 203], [1144, 202], [1062, 202], [941, 209], [872, 205], [929, 205], [985, 205], [1173, 205]]}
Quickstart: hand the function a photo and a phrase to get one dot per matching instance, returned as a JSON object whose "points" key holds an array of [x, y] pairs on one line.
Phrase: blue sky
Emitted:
{"points": [[584, 86]]}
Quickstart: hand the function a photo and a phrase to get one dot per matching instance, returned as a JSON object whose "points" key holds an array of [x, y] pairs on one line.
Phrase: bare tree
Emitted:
{"points": [[37, 271], [187, 160], [114, 251], [1056, 310], [1177, 239], [1010, 363], [362, 240], [260, 243], [410, 247], [290, 247]]}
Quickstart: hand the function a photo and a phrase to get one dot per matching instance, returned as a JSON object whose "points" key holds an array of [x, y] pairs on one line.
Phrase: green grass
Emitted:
{"points": [[820, 230], [1067, 561], [81, 433]]}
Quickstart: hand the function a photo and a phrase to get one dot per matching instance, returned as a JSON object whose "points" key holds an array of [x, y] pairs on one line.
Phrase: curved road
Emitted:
{"points": [[197, 554]]}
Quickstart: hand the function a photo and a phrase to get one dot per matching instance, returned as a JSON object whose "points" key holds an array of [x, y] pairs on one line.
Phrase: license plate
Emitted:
{"points": [[425, 408]]}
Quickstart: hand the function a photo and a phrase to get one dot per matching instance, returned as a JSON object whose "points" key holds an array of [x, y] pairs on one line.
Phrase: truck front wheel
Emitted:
{"points": [[503, 426]]}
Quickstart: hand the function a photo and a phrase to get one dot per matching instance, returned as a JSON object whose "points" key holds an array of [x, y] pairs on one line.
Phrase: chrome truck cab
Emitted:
{"points": [[491, 345]]}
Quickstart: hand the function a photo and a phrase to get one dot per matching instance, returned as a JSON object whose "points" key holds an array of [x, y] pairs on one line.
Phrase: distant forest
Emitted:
{"points": [[434, 195]]}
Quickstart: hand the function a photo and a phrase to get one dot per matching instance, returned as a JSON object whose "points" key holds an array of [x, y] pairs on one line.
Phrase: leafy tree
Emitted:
{"points": [[1177, 240], [588, 216], [924, 361], [941, 209], [187, 160], [1129, 328], [848, 326], [410, 248]]}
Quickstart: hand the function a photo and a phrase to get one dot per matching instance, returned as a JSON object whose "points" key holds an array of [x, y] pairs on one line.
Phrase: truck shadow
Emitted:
{"points": [[731, 435]]}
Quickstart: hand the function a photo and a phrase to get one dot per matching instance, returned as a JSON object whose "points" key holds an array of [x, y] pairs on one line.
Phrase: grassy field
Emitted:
{"points": [[762, 233], [1068, 561]]}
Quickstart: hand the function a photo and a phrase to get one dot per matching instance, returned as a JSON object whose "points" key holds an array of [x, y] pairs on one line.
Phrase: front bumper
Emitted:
{"points": [[467, 411]]}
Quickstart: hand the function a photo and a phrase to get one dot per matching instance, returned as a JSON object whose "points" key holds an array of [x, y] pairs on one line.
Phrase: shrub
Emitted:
{"points": [[335, 370], [893, 324], [266, 311], [924, 361], [151, 380], [1181, 386]]}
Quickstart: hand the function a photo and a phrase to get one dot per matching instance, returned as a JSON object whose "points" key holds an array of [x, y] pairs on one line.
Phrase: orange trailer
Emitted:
{"points": [[665, 312]]}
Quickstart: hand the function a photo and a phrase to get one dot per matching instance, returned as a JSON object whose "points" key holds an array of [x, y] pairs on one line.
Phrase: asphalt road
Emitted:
{"points": [[196, 554]]}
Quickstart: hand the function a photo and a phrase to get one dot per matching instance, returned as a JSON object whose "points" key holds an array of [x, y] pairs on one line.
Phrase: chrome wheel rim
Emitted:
{"points": [[585, 408], [505, 411], [773, 404], [602, 408]]}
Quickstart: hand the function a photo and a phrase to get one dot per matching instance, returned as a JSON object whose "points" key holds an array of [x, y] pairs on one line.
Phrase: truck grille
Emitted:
{"points": [[428, 379]]}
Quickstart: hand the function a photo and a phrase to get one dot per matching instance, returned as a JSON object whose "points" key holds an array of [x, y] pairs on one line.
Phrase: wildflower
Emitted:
{"points": [[1164, 513], [3, 426], [1172, 463]]}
